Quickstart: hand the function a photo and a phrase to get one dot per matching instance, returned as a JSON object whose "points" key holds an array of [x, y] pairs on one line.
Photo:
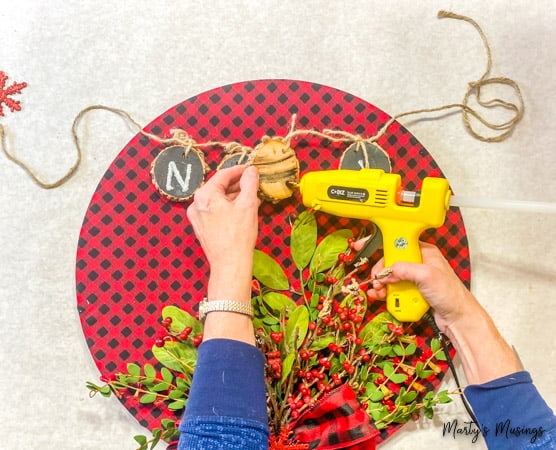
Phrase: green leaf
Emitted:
{"points": [[157, 434], [376, 395], [133, 369], [441, 356], [398, 350], [167, 375], [372, 332], [391, 374], [410, 349], [177, 405], [140, 439], [168, 423], [278, 302], [322, 342], [269, 272], [303, 239], [182, 319], [150, 371], [176, 394], [182, 384], [443, 397], [327, 251], [408, 397], [298, 320], [287, 365], [421, 372], [383, 350], [147, 398], [160, 387], [105, 391], [176, 356], [435, 345]]}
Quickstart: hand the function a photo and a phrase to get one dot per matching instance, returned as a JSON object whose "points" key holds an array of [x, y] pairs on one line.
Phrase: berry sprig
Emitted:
{"points": [[315, 338], [175, 348], [330, 339]]}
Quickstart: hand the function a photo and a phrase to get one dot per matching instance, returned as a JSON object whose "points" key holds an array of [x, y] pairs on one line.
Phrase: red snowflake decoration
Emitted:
{"points": [[6, 92]]}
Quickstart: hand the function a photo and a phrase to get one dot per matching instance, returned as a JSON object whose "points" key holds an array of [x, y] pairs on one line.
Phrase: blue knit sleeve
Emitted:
{"points": [[512, 414], [226, 408]]}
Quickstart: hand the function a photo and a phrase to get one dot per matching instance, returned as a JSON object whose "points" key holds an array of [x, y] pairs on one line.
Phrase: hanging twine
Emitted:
{"points": [[179, 137], [182, 138], [474, 89]]}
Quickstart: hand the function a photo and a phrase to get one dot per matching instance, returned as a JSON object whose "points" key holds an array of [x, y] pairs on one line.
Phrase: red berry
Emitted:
{"points": [[159, 342], [197, 340], [276, 336]]}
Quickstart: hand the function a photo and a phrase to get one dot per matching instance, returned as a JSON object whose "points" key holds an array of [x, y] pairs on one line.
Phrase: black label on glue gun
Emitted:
{"points": [[348, 193]]}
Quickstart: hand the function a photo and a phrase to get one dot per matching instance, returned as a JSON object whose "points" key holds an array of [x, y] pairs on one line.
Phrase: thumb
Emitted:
{"points": [[249, 183], [406, 271]]}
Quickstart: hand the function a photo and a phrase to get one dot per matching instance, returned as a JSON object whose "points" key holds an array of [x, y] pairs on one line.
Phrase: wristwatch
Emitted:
{"points": [[207, 306]]}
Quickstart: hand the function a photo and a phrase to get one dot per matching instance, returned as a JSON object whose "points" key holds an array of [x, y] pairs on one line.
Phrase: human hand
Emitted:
{"points": [[484, 352], [224, 216], [436, 281]]}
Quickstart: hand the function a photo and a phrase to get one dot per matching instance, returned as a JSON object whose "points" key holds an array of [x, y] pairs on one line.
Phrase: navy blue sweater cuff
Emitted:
{"points": [[228, 381], [510, 411]]}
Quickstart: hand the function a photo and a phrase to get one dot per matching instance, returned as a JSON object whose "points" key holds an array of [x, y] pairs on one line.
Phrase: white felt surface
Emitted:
{"points": [[145, 56]]}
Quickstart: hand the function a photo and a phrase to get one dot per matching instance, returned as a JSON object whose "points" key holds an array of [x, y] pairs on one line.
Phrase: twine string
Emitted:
{"points": [[182, 138], [474, 88]]}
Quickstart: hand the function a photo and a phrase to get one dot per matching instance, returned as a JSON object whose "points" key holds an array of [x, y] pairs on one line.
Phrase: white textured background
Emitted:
{"points": [[145, 56]]}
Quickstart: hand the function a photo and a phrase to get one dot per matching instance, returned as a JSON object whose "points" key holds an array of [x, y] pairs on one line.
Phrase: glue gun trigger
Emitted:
{"points": [[373, 243]]}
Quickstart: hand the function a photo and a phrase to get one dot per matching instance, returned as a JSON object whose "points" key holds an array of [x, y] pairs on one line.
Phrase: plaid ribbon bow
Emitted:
{"points": [[336, 422]]}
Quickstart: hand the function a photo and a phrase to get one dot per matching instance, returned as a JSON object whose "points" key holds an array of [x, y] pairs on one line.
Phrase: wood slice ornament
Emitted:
{"points": [[237, 155], [278, 169], [365, 155], [177, 172]]}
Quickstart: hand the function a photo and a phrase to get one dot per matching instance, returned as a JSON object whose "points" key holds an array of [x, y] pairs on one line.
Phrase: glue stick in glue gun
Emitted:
{"points": [[401, 216]]}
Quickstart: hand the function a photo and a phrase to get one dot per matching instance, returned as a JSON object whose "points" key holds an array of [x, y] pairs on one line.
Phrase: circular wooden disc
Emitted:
{"points": [[177, 173]]}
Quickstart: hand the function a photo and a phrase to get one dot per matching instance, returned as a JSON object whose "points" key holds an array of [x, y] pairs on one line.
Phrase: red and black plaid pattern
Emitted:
{"points": [[336, 422], [137, 252]]}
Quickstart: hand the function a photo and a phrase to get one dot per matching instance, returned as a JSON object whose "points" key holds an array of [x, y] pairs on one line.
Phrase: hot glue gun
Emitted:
{"points": [[401, 216]]}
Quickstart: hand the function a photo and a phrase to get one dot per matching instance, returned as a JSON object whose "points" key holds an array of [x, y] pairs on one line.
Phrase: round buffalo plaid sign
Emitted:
{"points": [[137, 252]]}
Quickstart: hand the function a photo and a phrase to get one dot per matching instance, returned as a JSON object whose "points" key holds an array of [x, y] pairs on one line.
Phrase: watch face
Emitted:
{"points": [[137, 251]]}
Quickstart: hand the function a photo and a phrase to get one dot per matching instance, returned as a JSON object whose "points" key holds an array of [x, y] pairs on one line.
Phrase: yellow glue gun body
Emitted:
{"points": [[402, 216]]}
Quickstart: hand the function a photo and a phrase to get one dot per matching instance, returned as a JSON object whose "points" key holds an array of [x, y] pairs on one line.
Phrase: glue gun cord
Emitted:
{"points": [[428, 317]]}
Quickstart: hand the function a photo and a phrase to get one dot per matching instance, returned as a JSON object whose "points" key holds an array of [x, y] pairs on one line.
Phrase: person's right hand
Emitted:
{"points": [[224, 216], [436, 281]]}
